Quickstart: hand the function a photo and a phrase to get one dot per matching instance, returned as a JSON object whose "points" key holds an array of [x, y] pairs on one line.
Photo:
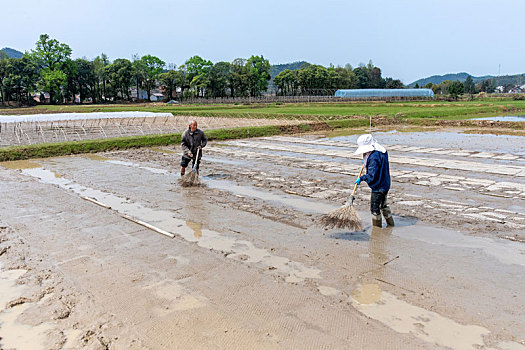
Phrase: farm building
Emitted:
{"points": [[384, 93]]}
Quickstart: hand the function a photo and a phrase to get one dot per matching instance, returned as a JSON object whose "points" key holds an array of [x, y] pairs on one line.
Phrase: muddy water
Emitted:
{"points": [[16, 335], [309, 206], [426, 325], [20, 164], [234, 248], [506, 118]]}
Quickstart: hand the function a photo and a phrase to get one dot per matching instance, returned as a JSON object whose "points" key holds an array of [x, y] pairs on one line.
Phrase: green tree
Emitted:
{"points": [[85, 79], [239, 84], [4, 72], [120, 78], [258, 74], [346, 78], [170, 81], [70, 88], [50, 53], [20, 78], [393, 83], [151, 68], [197, 70], [200, 84], [306, 77], [99, 64], [455, 89], [429, 86], [51, 56], [219, 77], [362, 77], [182, 76], [287, 82], [375, 79], [469, 86], [52, 81]]}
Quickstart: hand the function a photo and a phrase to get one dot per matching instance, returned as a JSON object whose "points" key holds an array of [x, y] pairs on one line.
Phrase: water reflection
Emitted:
{"points": [[196, 227]]}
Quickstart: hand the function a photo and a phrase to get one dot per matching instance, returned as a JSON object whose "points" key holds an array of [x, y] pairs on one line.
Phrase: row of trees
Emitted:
{"points": [[202, 78], [456, 88], [315, 79], [49, 69]]}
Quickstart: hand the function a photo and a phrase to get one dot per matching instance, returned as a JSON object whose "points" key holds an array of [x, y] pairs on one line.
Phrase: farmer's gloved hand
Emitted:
{"points": [[200, 147], [358, 181]]}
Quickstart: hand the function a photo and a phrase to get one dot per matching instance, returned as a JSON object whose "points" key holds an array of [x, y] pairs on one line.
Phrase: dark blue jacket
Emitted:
{"points": [[377, 172]]}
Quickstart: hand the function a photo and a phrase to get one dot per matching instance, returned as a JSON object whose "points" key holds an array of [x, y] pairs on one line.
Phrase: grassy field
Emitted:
{"points": [[416, 109]]}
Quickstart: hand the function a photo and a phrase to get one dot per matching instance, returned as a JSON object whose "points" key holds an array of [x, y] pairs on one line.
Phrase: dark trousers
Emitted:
{"points": [[186, 161], [378, 202]]}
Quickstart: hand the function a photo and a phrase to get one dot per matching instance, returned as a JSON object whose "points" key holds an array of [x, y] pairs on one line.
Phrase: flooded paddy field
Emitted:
{"points": [[107, 251]]}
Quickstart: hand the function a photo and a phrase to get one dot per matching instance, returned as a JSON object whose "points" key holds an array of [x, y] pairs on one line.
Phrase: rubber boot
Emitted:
{"points": [[377, 220], [182, 171], [388, 216]]}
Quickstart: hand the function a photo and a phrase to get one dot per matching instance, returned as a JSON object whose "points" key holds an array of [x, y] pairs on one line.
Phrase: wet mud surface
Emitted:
{"points": [[87, 259]]}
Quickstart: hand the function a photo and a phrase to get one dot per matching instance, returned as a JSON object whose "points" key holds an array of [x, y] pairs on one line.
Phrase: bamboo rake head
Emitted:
{"points": [[190, 179], [344, 217]]}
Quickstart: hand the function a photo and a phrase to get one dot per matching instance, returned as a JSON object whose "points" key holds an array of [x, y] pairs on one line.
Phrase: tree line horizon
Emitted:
{"points": [[49, 68]]}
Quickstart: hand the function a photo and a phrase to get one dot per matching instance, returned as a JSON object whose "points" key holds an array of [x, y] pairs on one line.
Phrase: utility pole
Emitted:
{"points": [[498, 79]]}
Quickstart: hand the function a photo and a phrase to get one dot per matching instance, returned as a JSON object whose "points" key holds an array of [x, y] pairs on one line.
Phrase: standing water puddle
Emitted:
{"points": [[406, 318], [19, 164], [16, 335], [506, 118], [289, 200]]}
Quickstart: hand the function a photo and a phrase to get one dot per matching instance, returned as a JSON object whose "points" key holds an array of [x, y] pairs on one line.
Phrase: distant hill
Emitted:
{"points": [[438, 79], [278, 68], [12, 53]]}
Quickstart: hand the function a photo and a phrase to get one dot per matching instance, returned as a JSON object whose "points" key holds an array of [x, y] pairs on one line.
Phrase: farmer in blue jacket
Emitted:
{"points": [[375, 158]]}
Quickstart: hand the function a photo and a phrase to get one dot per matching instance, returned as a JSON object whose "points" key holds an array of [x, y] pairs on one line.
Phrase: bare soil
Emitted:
{"points": [[248, 267]]}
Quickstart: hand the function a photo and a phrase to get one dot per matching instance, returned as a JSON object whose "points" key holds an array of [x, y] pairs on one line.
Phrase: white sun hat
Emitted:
{"points": [[366, 143]]}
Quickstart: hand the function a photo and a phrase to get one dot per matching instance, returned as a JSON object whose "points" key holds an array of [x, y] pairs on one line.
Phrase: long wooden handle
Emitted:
{"points": [[196, 159], [360, 172]]}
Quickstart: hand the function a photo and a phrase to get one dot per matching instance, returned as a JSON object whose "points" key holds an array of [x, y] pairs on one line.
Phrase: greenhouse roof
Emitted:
{"points": [[364, 93]]}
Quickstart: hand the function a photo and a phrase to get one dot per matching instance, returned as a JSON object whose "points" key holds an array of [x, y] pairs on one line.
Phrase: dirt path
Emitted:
{"points": [[247, 267]]}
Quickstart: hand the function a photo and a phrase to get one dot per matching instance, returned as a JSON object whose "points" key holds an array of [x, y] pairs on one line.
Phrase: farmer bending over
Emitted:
{"points": [[192, 139], [375, 158]]}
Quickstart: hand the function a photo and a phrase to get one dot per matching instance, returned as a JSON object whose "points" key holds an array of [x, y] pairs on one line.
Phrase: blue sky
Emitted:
{"points": [[408, 39]]}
